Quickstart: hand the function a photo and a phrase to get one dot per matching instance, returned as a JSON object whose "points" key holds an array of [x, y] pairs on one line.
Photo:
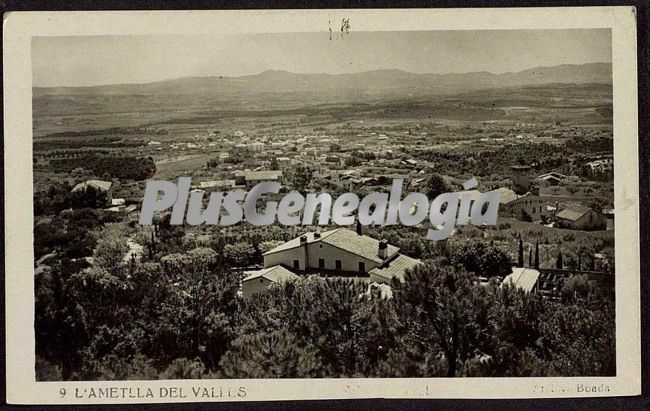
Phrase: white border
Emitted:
{"points": [[19, 27]]}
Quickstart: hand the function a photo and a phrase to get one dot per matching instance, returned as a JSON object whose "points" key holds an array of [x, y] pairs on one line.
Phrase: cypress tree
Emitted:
{"points": [[537, 255], [558, 262], [530, 257], [520, 260]]}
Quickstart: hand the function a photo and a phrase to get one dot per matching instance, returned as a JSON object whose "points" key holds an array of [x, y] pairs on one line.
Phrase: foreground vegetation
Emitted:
{"points": [[179, 316]]}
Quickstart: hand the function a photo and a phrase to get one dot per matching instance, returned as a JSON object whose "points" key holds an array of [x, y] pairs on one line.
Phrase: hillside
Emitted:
{"points": [[372, 83]]}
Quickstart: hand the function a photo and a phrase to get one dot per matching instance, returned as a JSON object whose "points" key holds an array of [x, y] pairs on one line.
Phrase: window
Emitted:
{"points": [[338, 264], [362, 267], [321, 263], [296, 264]]}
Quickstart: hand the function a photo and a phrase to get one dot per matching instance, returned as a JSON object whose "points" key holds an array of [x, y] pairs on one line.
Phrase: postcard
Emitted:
{"points": [[272, 205]]}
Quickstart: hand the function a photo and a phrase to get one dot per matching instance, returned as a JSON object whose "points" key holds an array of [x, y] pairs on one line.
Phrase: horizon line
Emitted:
{"points": [[314, 73]]}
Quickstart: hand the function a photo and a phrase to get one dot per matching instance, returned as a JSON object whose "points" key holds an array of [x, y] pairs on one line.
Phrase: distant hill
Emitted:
{"points": [[377, 83]]}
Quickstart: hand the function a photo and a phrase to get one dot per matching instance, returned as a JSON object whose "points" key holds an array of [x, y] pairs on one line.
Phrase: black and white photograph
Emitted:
{"points": [[331, 204]]}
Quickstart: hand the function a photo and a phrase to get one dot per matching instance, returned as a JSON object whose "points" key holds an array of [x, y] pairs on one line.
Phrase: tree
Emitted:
{"points": [[90, 197], [517, 321], [302, 177], [481, 259], [61, 323], [442, 311], [274, 354], [265, 246], [184, 369], [579, 339], [436, 185], [537, 255], [520, 260], [111, 248], [240, 254], [558, 263]]}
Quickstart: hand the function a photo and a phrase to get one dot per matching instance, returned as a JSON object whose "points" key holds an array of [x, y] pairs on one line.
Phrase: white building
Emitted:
{"points": [[251, 178], [341, 251], [98, 185], [261, 280], [526, 279]]}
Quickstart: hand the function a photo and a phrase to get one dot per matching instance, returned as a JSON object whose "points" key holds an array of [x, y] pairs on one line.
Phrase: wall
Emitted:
{"points": [[286, 258], [254, 286], [533, 205], [378, 279], [349, 261], [591, 220]]}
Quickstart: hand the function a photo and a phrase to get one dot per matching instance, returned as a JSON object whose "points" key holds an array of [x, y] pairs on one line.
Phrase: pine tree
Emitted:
{"points": [[153, 243]]}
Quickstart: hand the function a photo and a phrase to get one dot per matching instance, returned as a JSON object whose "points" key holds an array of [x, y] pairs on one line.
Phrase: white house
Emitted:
{"points": [[261, 280], [577, 217], [341, 252]]}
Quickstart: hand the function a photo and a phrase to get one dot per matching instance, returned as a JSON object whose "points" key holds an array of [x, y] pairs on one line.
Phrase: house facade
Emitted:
{"points": [[527, 207], [250, 179], [341, 252], [260, 281], [576, 217]]}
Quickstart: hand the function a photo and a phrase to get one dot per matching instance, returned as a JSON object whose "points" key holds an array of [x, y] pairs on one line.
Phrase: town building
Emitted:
{"points": [[520, 178], [602, 165], [217, 184], [528, 207], [523, 278], [99, 185], [257, 146], [577, 217], [550, 179], [249, 178]]}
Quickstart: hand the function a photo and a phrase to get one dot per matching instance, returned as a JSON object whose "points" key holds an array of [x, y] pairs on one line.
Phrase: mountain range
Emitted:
{"points": [[378, 82]]}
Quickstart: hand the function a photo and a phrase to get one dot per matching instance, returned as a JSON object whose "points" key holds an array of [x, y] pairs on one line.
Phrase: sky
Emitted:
{"points": [[97, 60]]}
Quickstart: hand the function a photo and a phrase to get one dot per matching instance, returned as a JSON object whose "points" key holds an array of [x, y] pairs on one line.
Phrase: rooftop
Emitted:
{"points": [[506, 195], [396, 267], [262, 175], [573, 212], [96, 184], [523, 278], [277, 273], [552, 175], [345, 239]]}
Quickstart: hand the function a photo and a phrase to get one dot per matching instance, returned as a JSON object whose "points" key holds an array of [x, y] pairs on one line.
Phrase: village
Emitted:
{"points": [[573, 194]]}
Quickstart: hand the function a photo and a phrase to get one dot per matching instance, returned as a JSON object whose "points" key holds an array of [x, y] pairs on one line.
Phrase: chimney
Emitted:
{"points": [[383, 249], [317, 234], [305, 247]]}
